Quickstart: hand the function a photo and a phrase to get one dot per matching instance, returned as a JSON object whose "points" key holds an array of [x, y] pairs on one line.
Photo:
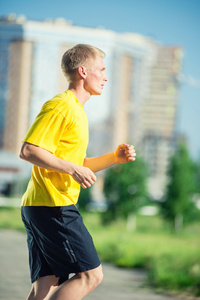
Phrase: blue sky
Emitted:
{"points": [[172, 22]]}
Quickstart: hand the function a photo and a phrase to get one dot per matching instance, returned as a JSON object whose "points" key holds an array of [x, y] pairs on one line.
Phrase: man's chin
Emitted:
{"points": [[97, 93]]}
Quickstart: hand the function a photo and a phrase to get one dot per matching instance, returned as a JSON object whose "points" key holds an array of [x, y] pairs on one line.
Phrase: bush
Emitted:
{"points": [[176, 271]]}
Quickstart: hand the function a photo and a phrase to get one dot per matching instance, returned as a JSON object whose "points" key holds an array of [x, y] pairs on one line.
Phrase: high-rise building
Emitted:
{"points": [[138, 104], [160, 115]]}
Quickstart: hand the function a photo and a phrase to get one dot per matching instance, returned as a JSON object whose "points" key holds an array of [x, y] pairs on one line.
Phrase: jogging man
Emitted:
{"points": [[56, 143]]}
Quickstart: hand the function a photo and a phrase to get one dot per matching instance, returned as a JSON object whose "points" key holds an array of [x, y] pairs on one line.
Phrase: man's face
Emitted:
{"points": [[96, 77]]}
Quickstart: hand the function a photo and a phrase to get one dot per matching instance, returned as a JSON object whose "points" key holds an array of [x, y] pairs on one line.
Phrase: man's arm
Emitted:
{"points": [[46, 160], [123, 154]]}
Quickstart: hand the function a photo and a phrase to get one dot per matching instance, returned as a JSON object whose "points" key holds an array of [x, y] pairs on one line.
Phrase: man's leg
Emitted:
{"points": [[42, 287], [78, 286]]}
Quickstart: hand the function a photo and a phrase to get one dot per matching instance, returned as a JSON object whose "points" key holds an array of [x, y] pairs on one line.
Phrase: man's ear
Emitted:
{"points": [[82, 71]]}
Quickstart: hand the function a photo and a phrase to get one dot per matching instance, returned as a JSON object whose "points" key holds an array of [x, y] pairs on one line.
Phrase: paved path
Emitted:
{"points": [[118, 283]]}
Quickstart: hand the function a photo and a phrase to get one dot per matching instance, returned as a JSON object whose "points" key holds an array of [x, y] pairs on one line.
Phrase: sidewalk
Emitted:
{"points": [[118, 284]]}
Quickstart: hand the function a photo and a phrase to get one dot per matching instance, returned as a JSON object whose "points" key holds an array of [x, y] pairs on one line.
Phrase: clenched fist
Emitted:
{"points": [[125, 153]]}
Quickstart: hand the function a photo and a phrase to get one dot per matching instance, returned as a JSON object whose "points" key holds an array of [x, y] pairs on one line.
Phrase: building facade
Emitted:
{"points": [[138, 105]]}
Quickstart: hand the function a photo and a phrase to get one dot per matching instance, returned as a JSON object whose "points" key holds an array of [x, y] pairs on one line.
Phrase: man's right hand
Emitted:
{"points": [[84, 176]]}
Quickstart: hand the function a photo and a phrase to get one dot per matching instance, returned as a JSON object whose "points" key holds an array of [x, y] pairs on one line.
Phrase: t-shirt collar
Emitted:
{"points": [[72, 94]]}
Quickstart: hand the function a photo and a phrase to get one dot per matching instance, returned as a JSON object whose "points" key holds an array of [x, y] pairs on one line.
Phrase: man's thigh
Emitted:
{"points": [[60, 244]]}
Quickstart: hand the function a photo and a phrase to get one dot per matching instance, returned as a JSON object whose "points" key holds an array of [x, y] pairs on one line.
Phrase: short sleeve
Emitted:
{"points": [[47, 130]]}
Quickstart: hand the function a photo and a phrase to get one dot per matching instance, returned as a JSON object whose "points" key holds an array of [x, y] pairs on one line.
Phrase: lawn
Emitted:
{"points": [[10, 218], [173, 261]]}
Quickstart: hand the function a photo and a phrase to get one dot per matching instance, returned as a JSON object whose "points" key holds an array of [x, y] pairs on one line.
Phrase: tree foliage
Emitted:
{"points": [[178, 206], [197, 177], [125, 189], [84, 199]]}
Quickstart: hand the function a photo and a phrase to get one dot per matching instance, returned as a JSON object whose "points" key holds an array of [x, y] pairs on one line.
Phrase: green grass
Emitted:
{"points": [[10, 218], [173, 261]]}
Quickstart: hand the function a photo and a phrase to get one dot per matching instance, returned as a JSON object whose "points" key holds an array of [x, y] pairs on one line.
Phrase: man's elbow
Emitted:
{"points": [[24, 152]]}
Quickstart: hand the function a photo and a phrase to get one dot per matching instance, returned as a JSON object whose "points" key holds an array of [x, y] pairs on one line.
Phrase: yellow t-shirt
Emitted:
{"points": [[61, 128]]}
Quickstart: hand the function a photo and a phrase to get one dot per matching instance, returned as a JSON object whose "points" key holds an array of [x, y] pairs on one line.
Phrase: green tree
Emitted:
{"points": [[178, 207], [84, 199], [196, 196], [125, 189], [197, 176]]}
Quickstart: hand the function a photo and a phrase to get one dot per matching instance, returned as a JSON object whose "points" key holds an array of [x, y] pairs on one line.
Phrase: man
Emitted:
{"points": [[58, 241]]}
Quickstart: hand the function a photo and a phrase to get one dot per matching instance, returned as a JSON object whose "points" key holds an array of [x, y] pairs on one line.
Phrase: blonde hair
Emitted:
{"points": [[77, 56]]}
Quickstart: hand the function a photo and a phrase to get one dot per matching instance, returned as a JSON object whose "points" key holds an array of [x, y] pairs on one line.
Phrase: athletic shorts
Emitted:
{"points": [[58, 242]]}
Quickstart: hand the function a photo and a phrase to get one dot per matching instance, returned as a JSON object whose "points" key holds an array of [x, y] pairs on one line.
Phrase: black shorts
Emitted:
{"points": [[58, 242]]}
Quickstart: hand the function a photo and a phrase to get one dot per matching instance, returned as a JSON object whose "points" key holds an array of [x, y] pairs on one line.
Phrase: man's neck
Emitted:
{"points": [[81, 94]]}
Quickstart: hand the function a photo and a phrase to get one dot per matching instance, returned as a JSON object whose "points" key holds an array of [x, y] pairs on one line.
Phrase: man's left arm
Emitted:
{"points": [[123, 154]]}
